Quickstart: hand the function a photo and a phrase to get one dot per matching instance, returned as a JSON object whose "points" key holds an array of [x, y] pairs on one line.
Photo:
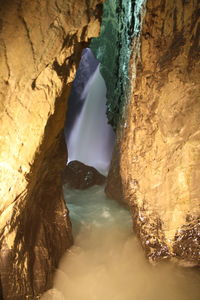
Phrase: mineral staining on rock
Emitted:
{"points": [[113, 49], [159, 144]]}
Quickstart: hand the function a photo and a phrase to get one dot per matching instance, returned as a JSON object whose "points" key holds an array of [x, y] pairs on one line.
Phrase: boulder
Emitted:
{"points": [[80, 176]]}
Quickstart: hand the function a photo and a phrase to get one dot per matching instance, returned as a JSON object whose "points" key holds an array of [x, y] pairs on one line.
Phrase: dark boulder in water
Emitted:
{"points": [[80, 176]]}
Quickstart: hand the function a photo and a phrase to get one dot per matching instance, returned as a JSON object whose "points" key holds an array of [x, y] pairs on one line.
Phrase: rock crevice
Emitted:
{"points": [[40, 48]]}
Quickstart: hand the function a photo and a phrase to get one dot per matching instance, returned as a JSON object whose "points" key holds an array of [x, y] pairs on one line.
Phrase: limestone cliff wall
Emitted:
{"points": [[40, 47], [158, 149]]}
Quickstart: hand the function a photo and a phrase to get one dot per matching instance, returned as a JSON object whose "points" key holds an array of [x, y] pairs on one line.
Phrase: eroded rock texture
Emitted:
{"points": [[159, 144], [40, 47]]}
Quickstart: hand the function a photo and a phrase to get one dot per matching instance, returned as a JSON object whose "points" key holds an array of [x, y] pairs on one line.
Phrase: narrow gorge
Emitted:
{"points": [[100, 149]]}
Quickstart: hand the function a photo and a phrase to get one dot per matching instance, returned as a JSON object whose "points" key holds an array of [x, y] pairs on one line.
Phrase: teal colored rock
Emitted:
{"points": [[120, 23]]}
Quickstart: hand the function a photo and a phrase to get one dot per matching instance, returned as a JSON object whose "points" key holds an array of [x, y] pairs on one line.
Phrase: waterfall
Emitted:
{"points": [[87, 67], [92, 138]]}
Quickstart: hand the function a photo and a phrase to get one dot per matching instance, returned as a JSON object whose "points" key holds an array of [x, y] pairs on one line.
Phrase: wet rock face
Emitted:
{"points": [[187, 242], [114, 187], [40, 47], [80, 176], [159, 144]]}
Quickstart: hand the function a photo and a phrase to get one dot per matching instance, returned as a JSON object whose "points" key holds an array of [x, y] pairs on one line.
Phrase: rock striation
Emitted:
{"points": [[40, 47], [158, 148]]}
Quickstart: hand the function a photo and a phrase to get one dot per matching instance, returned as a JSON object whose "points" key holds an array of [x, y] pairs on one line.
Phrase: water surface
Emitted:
{"points": [[107, 262]]}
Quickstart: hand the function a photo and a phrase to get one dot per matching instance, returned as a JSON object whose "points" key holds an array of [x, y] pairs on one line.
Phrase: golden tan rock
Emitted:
{"points": [[159, 146], [40, 48]]}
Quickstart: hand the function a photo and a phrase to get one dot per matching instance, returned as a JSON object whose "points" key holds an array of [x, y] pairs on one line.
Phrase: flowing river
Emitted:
{"points": [[107, 262]]}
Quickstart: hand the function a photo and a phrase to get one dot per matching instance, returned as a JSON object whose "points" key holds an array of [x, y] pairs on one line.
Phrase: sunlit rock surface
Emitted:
{"points": [[159, 144], [40, 47]]}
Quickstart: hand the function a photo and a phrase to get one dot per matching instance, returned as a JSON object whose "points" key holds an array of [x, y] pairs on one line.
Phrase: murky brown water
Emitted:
{"points": [[107, 262]]}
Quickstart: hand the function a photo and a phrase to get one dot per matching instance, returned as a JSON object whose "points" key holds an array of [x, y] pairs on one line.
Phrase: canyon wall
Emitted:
{"points": [[157, 157], [40, 47], [112, 49]]}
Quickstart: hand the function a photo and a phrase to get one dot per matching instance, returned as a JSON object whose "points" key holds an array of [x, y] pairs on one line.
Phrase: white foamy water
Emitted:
{"points": [[107, 262], [92, 139]]}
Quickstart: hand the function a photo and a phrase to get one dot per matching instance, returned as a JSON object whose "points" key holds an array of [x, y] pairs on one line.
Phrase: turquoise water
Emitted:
{"points": [[107, 262]]}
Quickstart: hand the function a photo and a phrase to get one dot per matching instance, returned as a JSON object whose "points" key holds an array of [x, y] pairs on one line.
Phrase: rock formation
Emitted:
{"points": [[80, 176], [155, 168], [158, 149], [40, 47]]}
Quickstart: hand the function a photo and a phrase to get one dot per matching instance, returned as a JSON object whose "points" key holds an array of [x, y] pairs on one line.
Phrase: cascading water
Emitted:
{"points": [[107, 262], [92, 139], [87, 67]]}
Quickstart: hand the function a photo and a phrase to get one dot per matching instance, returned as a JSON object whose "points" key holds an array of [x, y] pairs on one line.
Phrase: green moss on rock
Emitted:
{"points": [[120, 23]]}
